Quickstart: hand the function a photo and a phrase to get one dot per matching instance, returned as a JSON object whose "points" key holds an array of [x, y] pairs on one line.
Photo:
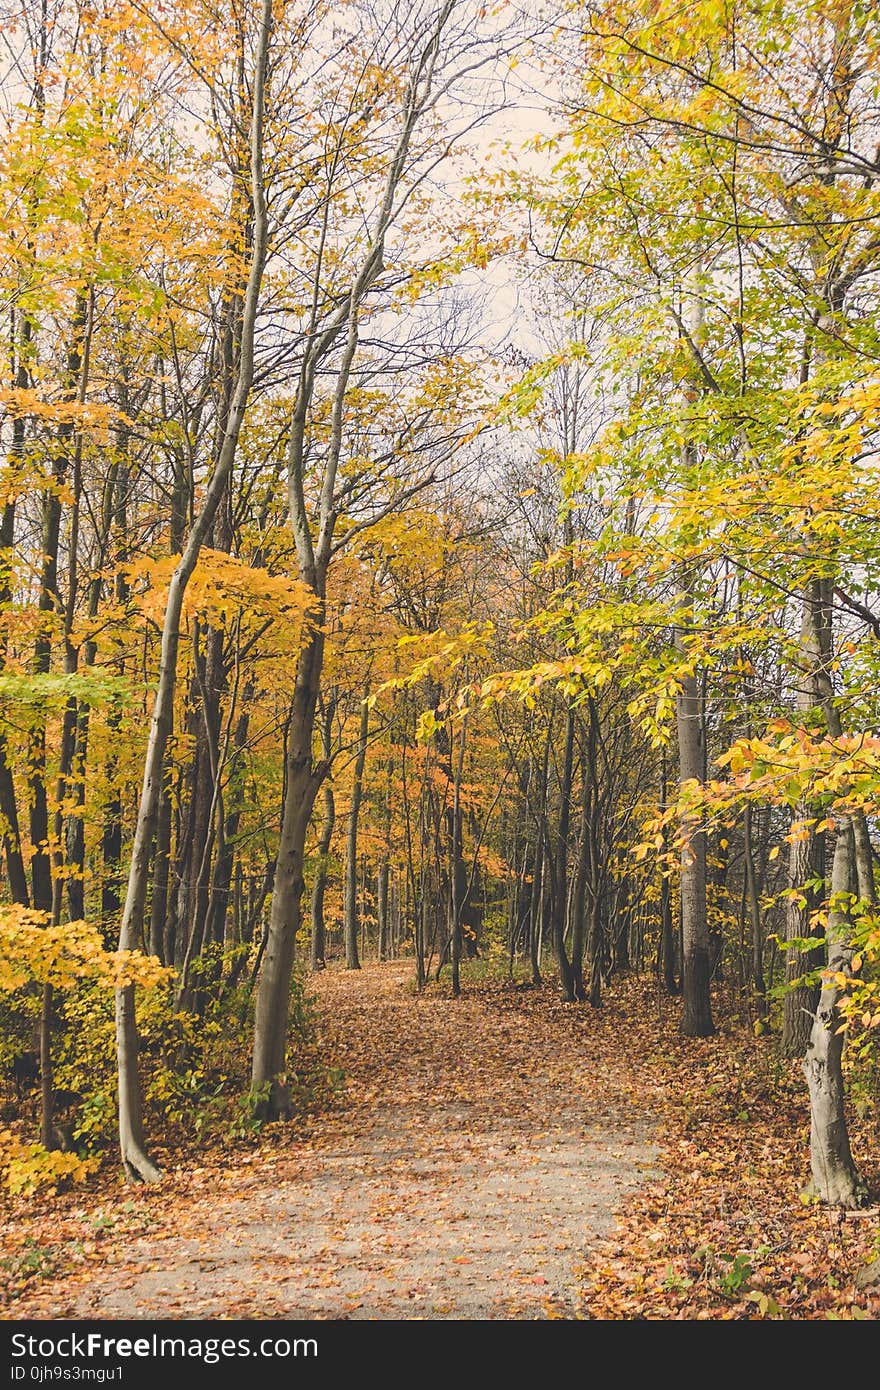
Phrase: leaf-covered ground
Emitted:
{"points": [[503, 1155]]}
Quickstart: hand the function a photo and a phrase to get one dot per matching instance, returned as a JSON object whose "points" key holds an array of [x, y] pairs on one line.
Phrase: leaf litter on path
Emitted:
{"points": [[479, 1148]]}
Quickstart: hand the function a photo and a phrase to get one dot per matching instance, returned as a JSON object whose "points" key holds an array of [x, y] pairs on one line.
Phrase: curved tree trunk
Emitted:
{"points": [[313, 532], [131, 1138]]}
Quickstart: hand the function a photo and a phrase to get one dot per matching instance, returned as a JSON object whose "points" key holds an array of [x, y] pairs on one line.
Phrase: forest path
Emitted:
{"points": [[478, 1149]]}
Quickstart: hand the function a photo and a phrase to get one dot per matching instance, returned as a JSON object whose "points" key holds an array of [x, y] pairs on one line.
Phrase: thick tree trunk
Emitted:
{"points": [[806, 862], [268, 1072], [835, 1179]]}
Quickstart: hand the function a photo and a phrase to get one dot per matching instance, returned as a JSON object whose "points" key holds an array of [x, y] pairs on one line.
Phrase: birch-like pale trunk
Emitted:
{"points": [[806, 856], [835, 1178]]}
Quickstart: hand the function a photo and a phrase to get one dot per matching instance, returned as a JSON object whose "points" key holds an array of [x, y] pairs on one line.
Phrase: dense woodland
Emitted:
{"points": [[439, 523]]}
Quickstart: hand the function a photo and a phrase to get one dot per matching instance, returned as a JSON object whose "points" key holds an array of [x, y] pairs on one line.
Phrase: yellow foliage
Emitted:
{"points": [[59, 954], [223, 587], [24, 1168]]}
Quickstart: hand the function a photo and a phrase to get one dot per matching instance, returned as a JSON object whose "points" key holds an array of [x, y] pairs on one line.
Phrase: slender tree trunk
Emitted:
{"points": [[327, 825], [696, 1021], [384, 865], [806, 862], [49, 606], [579, 932], [759, 988], [458, 877], [320, 883], [131, 1138], [536, 910], [15, 870], [352, 959], [47, 1136], [560, 875], [15, 867], [534, 917], [313, 533], [159, 943], [578, 912]]}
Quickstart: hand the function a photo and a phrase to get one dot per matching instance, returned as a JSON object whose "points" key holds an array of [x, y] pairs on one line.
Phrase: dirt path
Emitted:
{"points": [[476, 1153]]}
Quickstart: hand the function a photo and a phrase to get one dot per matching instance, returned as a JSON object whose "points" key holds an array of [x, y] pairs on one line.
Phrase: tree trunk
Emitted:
{"points": [[759, 988], [696, 1021], [560, 874], [131, 1139], [268, 1072], [807, 856], [323, 859], [15, 867], [160, 945], [49, 605], [534, 917], [47, 1137], [835, 1179], [579, 933], [352, 959], [15, 870], [384, 866], [457, 874], [320, 883]]}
